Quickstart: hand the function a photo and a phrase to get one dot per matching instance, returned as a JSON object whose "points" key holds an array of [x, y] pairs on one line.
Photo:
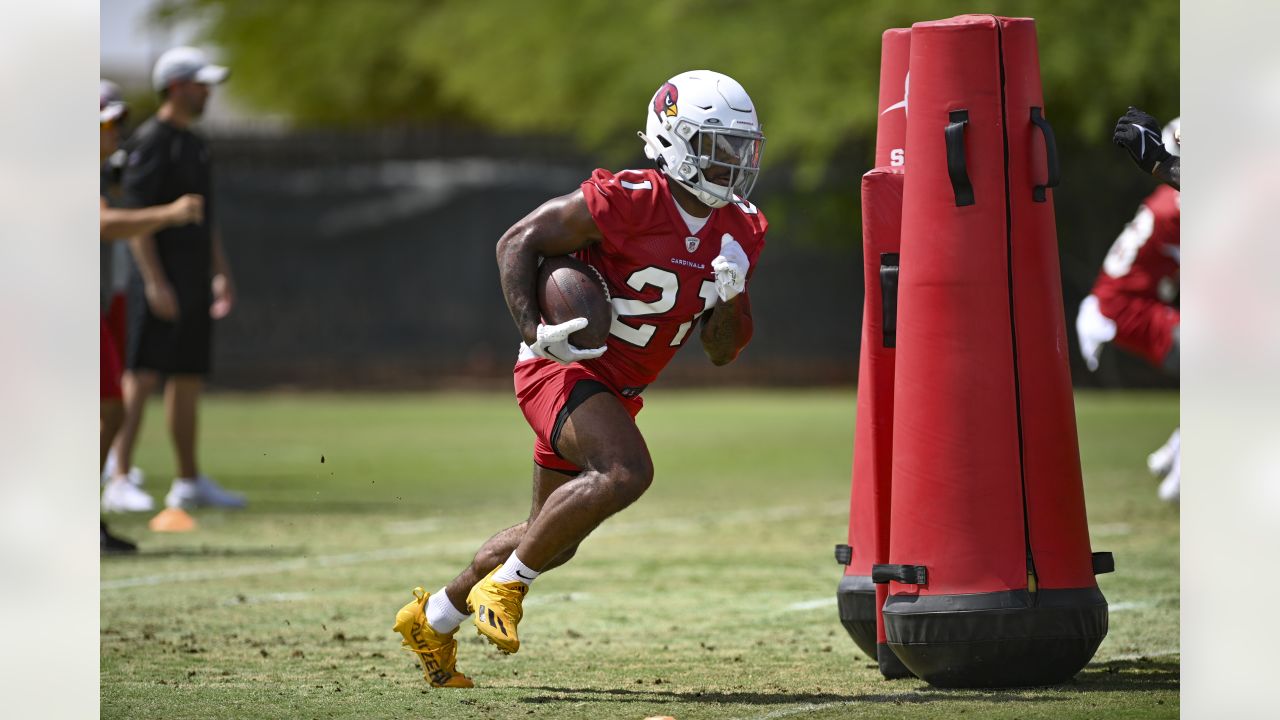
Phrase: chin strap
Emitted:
{"points": [[653, 146]]}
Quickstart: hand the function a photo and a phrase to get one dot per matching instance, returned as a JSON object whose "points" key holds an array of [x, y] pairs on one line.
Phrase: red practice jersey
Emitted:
{"points": [[658, 273], [1144, 261]]}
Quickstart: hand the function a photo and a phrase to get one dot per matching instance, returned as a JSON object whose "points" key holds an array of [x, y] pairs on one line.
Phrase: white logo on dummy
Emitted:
{"points": [[691, 243], [906, 92]]}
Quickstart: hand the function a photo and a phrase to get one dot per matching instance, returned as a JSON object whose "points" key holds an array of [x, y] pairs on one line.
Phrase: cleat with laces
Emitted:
{"points": [[437, 652], [497, 608]]}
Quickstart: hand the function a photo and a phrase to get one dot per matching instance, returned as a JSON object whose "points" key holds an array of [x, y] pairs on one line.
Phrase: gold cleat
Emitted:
{"points": [[498, 611], [437, 653]]}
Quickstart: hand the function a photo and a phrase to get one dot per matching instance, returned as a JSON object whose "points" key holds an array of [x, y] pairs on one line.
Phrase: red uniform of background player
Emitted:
{"points": [[674, 245], [1134, 299]]}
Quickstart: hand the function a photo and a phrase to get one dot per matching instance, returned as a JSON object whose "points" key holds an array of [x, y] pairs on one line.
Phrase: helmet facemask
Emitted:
{"points": [[728, 162]]}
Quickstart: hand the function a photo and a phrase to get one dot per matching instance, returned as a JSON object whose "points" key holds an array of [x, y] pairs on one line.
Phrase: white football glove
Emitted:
{"points": [[553, 343], [731, 269]]}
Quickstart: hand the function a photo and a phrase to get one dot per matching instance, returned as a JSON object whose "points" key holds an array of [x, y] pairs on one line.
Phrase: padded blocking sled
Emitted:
{"points": [[869, 498], [860, 600], [990, 574], [895, 86]]}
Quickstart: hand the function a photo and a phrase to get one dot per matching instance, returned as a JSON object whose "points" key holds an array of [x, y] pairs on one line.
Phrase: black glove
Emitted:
{"points": [[1139, 133]]}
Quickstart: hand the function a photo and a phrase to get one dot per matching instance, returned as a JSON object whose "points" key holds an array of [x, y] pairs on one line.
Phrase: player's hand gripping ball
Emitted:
{"points": [[731, 268], [576, 313]]}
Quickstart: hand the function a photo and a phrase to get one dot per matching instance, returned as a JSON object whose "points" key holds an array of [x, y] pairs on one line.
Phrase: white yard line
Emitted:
{"points": [[703, 521], [1130, 605], [556, 598], [811, 604], [413, 527], [802, 710], [267, 598], [283, 566], [1165, 652], [667, 525]]}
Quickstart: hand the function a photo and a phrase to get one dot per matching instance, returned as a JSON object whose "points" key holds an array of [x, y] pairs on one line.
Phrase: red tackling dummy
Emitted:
{"points": [[992, 574]]}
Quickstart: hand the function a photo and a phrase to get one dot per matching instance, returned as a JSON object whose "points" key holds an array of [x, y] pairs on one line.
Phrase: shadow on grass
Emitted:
{"points": [[1142, 675], [762, 698]]}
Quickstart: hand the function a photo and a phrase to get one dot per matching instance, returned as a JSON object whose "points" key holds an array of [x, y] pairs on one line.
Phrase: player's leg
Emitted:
{"points": [[119, 494], [181, 403], [430, 621], [599, 434], [111, 417], [190, 488], [1166, 462], [499, 547], [110, 394], [138, 385]]}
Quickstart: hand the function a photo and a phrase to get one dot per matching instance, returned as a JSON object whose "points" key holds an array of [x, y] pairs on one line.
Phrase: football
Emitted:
{"points": [[569, 288]]}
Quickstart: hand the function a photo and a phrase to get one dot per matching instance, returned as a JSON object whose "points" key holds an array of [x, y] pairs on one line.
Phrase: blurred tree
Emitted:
{"points": [[589, 67]]}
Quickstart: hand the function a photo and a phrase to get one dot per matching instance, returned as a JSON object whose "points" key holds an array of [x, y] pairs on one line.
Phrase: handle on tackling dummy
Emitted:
{"points": [[1050, 155]]}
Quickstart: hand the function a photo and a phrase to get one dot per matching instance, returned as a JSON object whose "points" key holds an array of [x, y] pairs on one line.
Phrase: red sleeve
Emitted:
{"points": [[753, 234], [1166, 208], [611, 207]]}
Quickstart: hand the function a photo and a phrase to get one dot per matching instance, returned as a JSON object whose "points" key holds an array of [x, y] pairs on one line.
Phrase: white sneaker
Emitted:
{"points": [[201, 492], [109, 471], [1170, 489], [109, 467], [1161, 461], [122, 495]]}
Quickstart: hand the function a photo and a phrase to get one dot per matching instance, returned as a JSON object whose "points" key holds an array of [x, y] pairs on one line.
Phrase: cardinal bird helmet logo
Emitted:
{"points": [[664, 103]]}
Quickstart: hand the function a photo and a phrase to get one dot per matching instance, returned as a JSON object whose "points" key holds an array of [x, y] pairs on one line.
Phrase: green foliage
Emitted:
{"points": [[589, 67]]}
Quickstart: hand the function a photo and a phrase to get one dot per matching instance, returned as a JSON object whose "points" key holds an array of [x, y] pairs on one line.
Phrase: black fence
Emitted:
{"points": [[366, 260]]}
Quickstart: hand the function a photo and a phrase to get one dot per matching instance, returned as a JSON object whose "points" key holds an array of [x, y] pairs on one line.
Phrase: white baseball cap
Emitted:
{"points": [[186, 63], [111, 104]]}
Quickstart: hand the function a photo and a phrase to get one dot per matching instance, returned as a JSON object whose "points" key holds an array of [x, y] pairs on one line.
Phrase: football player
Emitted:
{"points": [[1134, 301], [676, 246]]}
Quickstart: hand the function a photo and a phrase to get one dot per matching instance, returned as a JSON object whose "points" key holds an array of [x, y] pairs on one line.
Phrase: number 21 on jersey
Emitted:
{"points": [[668, 283]]}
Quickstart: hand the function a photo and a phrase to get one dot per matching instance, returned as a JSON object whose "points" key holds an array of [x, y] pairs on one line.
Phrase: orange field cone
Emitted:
{"points": [[172, 520]]}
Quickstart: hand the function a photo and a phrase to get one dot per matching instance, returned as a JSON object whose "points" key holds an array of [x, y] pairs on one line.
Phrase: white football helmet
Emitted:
{"points": [[1172, 136], [703, 132]]}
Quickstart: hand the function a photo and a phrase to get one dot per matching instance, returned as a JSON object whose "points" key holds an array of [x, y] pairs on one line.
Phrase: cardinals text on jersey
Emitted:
{"points": [[659, 274]]}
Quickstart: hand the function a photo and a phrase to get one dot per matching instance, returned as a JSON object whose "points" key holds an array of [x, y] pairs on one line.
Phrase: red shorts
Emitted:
{"points": [[109, 383], [1144, 326], [543, 389]]}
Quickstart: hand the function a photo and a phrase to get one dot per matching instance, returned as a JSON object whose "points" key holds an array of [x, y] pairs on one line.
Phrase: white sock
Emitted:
{"points": [[442, 616], [515, 571]]}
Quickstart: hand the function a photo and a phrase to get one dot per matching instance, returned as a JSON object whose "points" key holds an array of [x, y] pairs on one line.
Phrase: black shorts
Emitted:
{"points": [[183, 347]]}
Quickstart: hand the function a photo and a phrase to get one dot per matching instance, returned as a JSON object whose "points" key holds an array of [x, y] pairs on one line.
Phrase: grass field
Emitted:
{"points": [[713, 597]]}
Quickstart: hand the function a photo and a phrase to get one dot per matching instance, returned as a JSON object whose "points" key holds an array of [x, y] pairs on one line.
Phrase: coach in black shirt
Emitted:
{"points": [[180, 281]]}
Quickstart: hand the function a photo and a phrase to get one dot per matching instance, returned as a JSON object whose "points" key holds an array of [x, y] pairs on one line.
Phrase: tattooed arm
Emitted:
{"points": [[727, 329]]}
